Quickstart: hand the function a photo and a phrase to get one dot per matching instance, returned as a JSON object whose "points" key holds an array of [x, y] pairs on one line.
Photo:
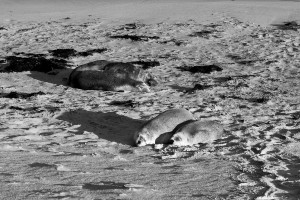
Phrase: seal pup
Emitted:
{"points": [[163, 123], [112, 76], [197, 132]]}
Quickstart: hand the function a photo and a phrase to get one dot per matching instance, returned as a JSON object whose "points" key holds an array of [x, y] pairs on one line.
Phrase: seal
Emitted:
{"points": [[196, 132], [111, 76], [162, 124]]}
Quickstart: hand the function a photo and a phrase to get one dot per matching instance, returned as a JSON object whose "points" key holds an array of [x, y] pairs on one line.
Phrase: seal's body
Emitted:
{"points": [[164, 123], [113, 76], [197, 132]]}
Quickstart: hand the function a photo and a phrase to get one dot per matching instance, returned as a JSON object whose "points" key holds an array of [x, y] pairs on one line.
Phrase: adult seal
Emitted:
{"points": [[196, 132], [111, 76], [162, 124]]}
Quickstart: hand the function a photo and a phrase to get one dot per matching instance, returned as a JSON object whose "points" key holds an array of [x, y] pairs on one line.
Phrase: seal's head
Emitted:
{"points": [[141, 141], [151, 80], [141, 138], [179, 139]]}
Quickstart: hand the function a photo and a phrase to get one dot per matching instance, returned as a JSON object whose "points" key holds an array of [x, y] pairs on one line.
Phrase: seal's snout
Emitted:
{"points": [[176, 140], [152, 82], [138, 143]]}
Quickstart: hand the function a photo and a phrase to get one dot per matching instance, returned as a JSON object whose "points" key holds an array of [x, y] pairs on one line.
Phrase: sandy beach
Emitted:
{"points": [[234, 62]]}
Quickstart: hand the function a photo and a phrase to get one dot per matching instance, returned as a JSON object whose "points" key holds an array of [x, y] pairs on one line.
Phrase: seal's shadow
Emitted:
{"points": [[61, 78], [109, 126]]}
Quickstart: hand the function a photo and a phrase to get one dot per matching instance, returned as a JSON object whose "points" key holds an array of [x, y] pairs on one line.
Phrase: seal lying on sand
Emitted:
{"points": [[197, 132], [161, 124], [113, 76]]}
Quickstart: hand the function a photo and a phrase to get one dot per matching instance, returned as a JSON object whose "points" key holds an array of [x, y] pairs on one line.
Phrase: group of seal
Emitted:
{"points": [[161, 124], [177, 127], [111, 76]]}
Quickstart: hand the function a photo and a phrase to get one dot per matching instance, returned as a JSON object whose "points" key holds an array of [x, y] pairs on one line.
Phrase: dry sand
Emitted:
{"points": [[66, 143]]}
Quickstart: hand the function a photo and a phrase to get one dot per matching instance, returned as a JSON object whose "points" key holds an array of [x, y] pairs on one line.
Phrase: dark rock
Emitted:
{"points": [[296, 115], [223, 79], [200, 87], [39, 62], [145, 64], [189, 89], [247, 62], [15, 108], [29, 109], [292, 25], [63, 53], [234, 57], [212, 25], [176, 42], [128, 103], [42, 165], [24, 30], [135, 37], [206, 69], [204, 33], [46, 133], [130, 26], [33, 63], [67, 53], [38, 55], [104, 186], [258, 100], [126, 151], [16, 95], [91, 52], [252, 100], [282, 137], [270, 62], [256, 150], [52, 109], [243, 61]]}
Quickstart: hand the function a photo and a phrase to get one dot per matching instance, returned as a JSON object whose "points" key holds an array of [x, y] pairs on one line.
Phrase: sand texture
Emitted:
{"points": [[59, 142]]}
